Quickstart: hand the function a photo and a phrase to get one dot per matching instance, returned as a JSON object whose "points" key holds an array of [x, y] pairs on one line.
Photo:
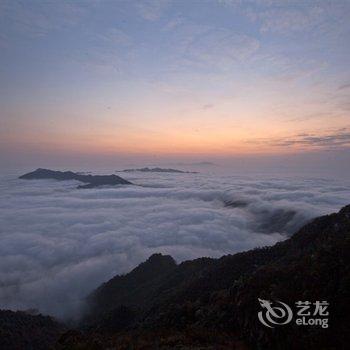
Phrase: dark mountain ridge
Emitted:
{"points": [[221, 295], [213, 303], [22, 331], [91, 180], [133, 288]]}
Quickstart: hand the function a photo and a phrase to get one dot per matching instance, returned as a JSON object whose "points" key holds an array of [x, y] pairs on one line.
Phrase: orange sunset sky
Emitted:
{"points": [[163, 78]]}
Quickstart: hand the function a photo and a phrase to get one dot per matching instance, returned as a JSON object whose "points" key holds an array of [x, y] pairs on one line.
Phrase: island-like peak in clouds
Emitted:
{"points": [[91, 180], [158, 170]]}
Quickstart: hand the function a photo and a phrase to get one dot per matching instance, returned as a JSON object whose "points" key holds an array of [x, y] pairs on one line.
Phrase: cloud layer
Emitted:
{"points": [[338, 139], [59, 243]]}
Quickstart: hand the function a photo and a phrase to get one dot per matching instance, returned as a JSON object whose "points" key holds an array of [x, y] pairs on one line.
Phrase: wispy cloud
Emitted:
{"points": [[207, 106], [338, 139], [223, 46], [39, 19], [344, 87], [286, 20], [286, 17], [109, 52], [151, 10], [115, 36], [211, 47]]}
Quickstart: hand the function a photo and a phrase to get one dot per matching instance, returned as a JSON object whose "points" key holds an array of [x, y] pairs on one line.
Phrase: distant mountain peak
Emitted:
{"points": [[91, 181], [159, 257], [345, 210], [157, 170]]}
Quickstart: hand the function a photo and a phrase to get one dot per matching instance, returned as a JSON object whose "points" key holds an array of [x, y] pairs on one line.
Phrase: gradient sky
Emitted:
{"points": [[207, 78]]}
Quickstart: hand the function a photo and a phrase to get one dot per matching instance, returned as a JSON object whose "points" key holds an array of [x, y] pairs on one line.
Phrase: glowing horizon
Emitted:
{"points": [[173, 77]]}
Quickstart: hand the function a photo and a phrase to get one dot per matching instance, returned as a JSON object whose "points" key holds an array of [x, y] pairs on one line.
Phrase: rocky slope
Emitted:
{"points": [[207, 295], [21, 331]]}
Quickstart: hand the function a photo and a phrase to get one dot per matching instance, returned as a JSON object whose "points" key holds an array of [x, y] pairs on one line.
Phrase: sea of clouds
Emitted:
{"points": [[58, 243]]}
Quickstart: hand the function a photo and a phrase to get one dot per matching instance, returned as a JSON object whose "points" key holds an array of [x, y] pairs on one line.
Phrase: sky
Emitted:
{"points": [[82, 81]]}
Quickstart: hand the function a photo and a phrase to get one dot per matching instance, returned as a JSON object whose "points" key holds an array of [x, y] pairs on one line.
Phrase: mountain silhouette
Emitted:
{"points": [[211, 303], [158, 170], [205, 296], [90, 180]]}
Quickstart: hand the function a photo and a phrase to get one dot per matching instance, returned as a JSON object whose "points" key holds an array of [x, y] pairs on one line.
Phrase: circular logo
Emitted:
{"points": [[272, 315]]}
